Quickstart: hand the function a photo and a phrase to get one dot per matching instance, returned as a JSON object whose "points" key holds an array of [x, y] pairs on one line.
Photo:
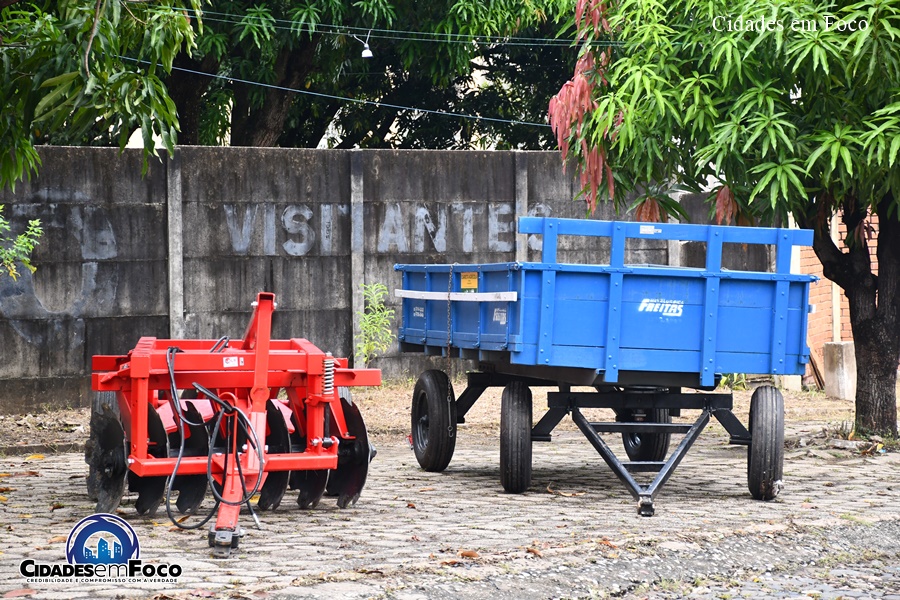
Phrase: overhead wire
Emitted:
{"points": [[395, 34], [346, 99]]}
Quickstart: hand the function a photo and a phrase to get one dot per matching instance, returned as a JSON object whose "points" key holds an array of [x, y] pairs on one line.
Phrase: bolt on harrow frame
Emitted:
{"points": [[258, 417], [636, 334]]}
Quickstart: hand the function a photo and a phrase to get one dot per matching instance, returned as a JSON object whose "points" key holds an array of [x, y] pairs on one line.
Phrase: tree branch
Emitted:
{"points": [[87, 52], [848, 270]]}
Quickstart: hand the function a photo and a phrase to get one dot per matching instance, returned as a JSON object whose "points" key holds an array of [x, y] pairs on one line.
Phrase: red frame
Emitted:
{"points": [[247, 376]]}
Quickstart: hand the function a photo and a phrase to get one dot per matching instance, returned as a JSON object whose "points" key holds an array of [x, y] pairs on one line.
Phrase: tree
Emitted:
{"points": [[308, 54], [789, 107], [86, 72]]}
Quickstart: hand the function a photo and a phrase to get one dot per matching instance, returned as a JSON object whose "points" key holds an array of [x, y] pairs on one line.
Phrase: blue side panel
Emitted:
{"points": [[618, 317], [581, 309]]}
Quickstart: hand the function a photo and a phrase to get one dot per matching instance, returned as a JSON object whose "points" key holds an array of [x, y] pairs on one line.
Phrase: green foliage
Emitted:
{"points": [[426, 55], [15, 251], [734, 381], [80, 72], [375, 323], [781, 114]]}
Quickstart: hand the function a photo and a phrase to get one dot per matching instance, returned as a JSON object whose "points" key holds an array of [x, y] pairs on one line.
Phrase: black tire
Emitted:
{"points": [[515, 438], [765, 456], [643, 447], [433, 416]]}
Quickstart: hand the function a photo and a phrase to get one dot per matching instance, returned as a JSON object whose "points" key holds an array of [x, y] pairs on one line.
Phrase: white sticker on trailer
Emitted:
{"points": [[666, 308], [419, 312], [649, 230], [231, 362], [500, 316]]}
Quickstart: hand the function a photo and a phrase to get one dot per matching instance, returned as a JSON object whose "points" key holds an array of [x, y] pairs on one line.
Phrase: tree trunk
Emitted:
{"points": [[186, 91], [874, 308], [261, 127]]}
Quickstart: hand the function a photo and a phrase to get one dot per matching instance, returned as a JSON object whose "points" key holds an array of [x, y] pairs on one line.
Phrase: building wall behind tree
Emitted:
{"points": [[831, 320]]}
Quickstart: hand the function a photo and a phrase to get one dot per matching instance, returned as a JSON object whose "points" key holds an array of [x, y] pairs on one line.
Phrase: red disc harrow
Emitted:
{"points": [[176, 419]]}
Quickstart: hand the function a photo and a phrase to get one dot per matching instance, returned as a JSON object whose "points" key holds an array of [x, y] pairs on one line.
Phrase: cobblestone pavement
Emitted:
{"points": [[834, 532]]}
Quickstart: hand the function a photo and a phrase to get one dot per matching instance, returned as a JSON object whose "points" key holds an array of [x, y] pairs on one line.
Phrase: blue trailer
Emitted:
{"points": [[635, 334]]}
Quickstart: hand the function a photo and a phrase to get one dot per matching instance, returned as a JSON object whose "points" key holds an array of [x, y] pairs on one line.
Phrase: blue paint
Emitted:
{"points": [[619, 317]]}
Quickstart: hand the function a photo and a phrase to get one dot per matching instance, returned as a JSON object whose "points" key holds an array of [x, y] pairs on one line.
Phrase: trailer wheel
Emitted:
{"points": [[765, 456], [515, 437], [647, 446], [433, 415]]}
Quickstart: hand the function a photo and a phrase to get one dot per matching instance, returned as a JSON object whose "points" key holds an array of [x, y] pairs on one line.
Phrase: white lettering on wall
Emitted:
{"points": [[500, 223], [468, 212], [295, 220], [392, 236], [240, 232], [301, 227], [438, 234]]}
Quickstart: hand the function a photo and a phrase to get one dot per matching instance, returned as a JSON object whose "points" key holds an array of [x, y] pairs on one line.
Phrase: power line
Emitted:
{"points": [[352, 100], [397, 34]]}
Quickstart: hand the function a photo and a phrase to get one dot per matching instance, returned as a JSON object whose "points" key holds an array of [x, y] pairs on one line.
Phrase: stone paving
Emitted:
{"points": [[833, 532]]}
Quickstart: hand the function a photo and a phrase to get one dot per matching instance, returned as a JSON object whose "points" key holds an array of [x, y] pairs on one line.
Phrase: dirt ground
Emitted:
{"points": [[386, 412]]}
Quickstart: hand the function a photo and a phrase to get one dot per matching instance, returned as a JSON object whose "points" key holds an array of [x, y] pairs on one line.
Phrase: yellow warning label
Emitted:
{"points": [[468, 282]]}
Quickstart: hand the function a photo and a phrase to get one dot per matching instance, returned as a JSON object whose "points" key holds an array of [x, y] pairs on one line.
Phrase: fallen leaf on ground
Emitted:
{"points": [[468, 554], [35, 457], [57, 539], [534, 551], [550, 490], [18, 593], [427, 489], [410, 505]]}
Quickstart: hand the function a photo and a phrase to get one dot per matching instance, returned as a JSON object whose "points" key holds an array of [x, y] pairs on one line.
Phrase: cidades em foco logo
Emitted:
{"points": [[101, 548]]}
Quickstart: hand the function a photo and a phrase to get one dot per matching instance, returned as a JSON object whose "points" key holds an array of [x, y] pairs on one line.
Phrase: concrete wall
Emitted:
{"points": [[182, 251]]}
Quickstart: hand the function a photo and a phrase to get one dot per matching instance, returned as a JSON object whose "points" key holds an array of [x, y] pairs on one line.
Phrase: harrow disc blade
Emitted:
{"points": [[278, 441], [150, 490], [354, 456], [105, 454], [311, 485], [191, 488]]}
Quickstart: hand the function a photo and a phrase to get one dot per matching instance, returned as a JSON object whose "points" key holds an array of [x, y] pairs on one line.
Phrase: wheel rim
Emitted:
{"points": [[420, 439], [634, 440]]}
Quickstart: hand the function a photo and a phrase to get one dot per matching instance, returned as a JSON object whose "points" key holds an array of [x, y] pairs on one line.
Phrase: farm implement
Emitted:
{"points": [[176, 419], [633, 335]]}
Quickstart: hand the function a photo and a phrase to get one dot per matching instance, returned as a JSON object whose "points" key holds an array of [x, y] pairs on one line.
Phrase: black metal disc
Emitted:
{"points": [[354, 456], [150, 490], [311, 485], [105, 454], [278, 442]]}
